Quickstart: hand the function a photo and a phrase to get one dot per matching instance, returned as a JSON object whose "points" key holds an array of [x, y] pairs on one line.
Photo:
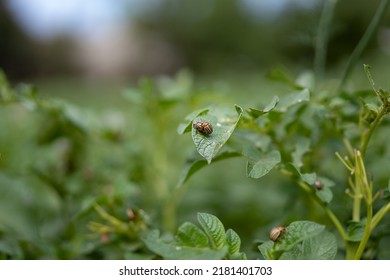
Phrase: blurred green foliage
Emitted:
{"points": [[233, 34], [60, 164], [82, 183]]}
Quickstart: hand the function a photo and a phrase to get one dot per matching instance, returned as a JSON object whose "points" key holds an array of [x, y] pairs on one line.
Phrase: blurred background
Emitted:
{"points": [[112, 143], [120, 41]]}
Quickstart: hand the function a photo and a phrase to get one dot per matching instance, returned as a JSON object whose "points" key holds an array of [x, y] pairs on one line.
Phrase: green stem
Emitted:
{"points": [[356, 208], [350, 249], [169, 215], [346, 162], [370, 32], [336, 222], [322, 39], [366, 235], [367, 135], [348, 146], [379, 216], [170, 207], [357, 186]]}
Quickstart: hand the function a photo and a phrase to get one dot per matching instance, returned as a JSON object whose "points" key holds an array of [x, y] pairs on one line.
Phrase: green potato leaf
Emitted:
{"points": [[174, 251], [196, 165], [213, 228], [190, 235], [301, 240], [224, 121], [233, 242], [260, 164], [292, 99], [255, 113]]}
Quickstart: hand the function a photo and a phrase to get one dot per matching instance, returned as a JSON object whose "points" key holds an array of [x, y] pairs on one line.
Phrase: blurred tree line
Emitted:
{"points": [[209, 35], [22, 56], [224, 35]]}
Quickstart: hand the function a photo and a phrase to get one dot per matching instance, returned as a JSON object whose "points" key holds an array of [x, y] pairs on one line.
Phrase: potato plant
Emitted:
{"points": [[292, 135]]}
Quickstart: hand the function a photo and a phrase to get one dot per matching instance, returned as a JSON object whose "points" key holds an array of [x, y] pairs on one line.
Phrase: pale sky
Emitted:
{"points": [[47, 18], [79, 18]]}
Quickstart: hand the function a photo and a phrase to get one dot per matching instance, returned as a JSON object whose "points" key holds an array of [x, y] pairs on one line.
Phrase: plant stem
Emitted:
{"points": [[379, 216], [348, 146], [170, 207], [346, 163], [359, 176], [366, 235], [367, 135], [322, 39], [370, 32], [356, 208]]}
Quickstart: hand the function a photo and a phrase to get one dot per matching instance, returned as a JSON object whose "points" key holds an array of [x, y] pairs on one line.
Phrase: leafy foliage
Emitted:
{"points": [[191, 242], [293, 136], [301, 240]]}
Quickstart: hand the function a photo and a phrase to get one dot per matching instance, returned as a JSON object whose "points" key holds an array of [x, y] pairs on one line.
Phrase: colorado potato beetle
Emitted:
{"points": [[203, 127], [276, 233]]}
